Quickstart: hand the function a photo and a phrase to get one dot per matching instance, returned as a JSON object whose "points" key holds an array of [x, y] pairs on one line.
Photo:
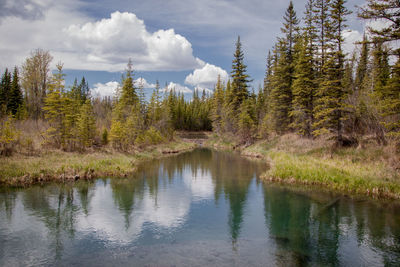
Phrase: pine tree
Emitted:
{"points": [[304, 88], [310, 27], [217, 106], [290, 30], [386, 11], [54, 109], [323, 25], [281, 93], [154, 107], [246, 123], [331, 104], [362, 67], [86, 124], [129, 96], [126, 113], [15, 99], [5, 91], [390, 105], [240, 79], [380, 69]]}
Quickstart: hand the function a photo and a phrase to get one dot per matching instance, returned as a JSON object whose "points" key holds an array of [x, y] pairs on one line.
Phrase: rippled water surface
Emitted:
{"points": [[195, 209]]}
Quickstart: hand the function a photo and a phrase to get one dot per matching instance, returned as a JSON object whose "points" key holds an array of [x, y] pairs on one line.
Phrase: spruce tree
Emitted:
{"points": [[362, 67], [281, 93], [5, 91], [304, 88], [217, 106], [323, 25], [386, 11], [86, 124], [15, 99], [240, 79], [331, 104], [54, 109], [246, 122], [390, 106]]}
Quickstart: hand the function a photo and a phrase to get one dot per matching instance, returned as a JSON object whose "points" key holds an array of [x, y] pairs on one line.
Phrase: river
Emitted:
{"points": [[199, 208]]}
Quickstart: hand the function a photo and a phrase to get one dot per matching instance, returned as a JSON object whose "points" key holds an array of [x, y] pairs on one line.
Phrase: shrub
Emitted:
{"points": [[8, 136]]}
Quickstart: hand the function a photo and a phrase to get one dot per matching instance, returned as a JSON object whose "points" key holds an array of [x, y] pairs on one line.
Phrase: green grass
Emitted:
{"points": [[57, 165], [294, 160], [337, 173]]}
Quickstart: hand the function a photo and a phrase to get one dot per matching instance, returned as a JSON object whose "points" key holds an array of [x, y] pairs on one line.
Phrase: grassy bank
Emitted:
{"points": [[56, 165], [372, 170]]}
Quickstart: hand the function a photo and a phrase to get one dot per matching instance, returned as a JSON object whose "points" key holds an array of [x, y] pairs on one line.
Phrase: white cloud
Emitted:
{"points": [[105, 89], [351, 37], [145, 83], [109, 88], [178, 88], [201, 89], [207, 76], [107, 44]]}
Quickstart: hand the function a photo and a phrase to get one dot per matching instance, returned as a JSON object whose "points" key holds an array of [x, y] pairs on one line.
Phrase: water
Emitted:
{"points": [[194, 209]]}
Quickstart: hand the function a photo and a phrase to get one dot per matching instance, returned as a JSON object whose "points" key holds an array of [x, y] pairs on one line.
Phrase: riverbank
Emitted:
{"points": [[372, 170], [58, 166]]}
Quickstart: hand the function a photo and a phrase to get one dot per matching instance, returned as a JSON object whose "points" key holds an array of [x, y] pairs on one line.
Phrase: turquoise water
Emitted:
{"points": [[200, 208]]}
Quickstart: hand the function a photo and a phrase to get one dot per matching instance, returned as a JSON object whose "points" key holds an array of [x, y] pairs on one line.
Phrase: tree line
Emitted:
{"points": [[311, 87]]}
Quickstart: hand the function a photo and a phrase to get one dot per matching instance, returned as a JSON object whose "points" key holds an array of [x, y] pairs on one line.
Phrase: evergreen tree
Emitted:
{"points": [[86, 124], [380, 69], [217, 106], [362, 67], [281, 93], [54, 109], [246, 123], [386, 11], [390, 106], [331, 104], [290, 30], [154, 107], [323, 25], [15, 99], [304, 88], [240, 79], [5, 91]]}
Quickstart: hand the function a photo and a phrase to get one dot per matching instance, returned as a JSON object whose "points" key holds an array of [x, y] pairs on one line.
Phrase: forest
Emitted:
{"points": [[311, 88]]}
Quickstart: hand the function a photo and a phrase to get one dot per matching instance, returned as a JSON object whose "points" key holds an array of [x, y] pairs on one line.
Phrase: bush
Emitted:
{"points": [[150, 137], [8, 136]]}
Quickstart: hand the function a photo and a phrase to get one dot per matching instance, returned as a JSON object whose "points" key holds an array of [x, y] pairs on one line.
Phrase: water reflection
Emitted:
{"points": [[204, 205]]}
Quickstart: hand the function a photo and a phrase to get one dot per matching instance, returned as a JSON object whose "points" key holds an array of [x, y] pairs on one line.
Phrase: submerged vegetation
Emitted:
{"points": [[344, 110]]}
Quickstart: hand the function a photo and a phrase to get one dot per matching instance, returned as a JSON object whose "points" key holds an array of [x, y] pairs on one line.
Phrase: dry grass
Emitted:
{"points": [[56, 165], [371, 170]]}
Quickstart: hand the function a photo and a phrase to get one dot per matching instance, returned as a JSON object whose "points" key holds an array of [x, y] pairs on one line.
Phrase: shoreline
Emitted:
{"points": [[364, 172], [347, 170], [61, 167]]}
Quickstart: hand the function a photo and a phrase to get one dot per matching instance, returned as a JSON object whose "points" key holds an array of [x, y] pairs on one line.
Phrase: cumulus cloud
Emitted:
{"points": [[207, 76], [105, 89], [107, 44], [103, 45], [109, 88], [178, 88], [144, 83]]}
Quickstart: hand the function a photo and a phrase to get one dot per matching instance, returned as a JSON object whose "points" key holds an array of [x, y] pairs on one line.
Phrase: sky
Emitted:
{"points": [[184, 45]]}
